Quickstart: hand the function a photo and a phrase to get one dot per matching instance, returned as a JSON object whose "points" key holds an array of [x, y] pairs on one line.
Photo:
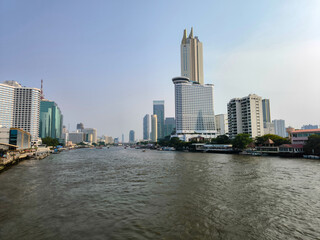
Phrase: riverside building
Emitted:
{"points": [[146, 127], [158, 109], [279, 127], [131, 136], [245, 116], [51, 120], [154, 128], [23, 110], [193, 109], [191, 57]]}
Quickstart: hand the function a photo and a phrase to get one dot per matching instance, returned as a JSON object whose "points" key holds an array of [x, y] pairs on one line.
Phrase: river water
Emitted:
{"points": [[121, 193]]}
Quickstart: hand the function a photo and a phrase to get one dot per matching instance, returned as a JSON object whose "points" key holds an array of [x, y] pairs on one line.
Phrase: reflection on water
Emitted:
{"points": [[127, 194]]}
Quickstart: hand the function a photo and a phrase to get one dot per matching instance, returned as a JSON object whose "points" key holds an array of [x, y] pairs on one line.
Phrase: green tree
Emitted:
{"points": [[313, 145], [223, 139], [241, 141], [50, 141], [275, 138]]}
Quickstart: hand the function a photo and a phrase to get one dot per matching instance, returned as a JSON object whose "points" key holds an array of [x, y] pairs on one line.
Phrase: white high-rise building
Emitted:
{"points": [[245, 115], [221, 123], [6, 105], [154, 128], [191, 57], [279, 127], [24, 111], [193, 109]]}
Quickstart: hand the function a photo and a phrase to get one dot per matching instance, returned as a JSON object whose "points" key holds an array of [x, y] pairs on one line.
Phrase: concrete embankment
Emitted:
{"points": [[14, 157]]}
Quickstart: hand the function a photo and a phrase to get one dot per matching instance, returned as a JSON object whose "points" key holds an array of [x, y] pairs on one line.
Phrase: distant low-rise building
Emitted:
{"points": [[309, 126], [20, 138]]}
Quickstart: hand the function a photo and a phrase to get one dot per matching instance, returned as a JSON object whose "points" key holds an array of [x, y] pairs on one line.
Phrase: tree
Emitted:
{"points": [[241, 141], [223, 139], [313, 145], [50, 141], [275, 138]]}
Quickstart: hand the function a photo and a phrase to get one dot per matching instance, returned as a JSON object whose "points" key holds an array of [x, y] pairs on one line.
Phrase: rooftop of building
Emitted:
{"points": [[305, 130]]}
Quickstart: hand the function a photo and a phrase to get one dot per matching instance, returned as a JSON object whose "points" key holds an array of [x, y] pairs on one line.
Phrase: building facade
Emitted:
{"points": [[51, 120], [309, 126], [221, 124], [279, 127], [146, 127], [193, 109], [301, 136], [191, 57], [20, 107], [76, 137], [20, 138], [6, 105], [266, 110], [245, 116], [154, 128], [158, 109], [80, 126], [90, 135], [169, 126], [131, 136]]}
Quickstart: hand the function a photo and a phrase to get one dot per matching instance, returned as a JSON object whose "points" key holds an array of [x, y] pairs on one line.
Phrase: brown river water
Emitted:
{"points": [[121, 193]]}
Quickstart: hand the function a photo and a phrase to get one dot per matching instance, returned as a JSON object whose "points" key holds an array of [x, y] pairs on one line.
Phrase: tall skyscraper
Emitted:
{"points": [[146, 127], [279, 127], [154, 128], [158, 109], [191, 57], [131, 136], [51, 120], [245, 116], [122, 138], [266, 110], [24, 112], [169, 126], [194, 109]]}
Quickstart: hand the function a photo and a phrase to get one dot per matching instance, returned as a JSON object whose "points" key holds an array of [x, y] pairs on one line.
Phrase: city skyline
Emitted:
{"points": [[244, 52]]}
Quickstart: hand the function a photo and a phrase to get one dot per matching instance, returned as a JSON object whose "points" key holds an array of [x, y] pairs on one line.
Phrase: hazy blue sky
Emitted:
{"points": [[104, 62]]}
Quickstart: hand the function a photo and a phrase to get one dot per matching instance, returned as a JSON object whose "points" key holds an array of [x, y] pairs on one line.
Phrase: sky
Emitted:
{"points": [[104, 62]]}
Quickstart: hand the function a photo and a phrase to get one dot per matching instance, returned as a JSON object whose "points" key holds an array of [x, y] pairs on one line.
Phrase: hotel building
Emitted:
{"points": [[191, 57], [193, 109]]}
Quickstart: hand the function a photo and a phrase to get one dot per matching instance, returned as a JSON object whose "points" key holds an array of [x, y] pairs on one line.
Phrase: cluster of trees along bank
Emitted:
{"points": [[243, 140]]}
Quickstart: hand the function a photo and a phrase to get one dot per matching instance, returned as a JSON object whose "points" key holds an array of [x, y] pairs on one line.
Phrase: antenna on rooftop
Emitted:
{"points": [[42, 96]]}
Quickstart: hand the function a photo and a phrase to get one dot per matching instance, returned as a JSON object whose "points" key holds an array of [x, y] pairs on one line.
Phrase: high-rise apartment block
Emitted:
{"points": [[146, 127], [191, 57], [131, 136], [20, 107], [245, 116], [279, 127], [154, 128], [221, 124], [51, 120], [158, 109], [193, 109]]}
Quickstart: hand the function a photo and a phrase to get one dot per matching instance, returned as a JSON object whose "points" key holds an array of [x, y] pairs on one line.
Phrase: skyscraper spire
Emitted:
{"points": [[184, 38], [191, 33]]}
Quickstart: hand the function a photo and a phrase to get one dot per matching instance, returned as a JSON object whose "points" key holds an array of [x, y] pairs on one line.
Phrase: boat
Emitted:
{"points": [[311, 156]]}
